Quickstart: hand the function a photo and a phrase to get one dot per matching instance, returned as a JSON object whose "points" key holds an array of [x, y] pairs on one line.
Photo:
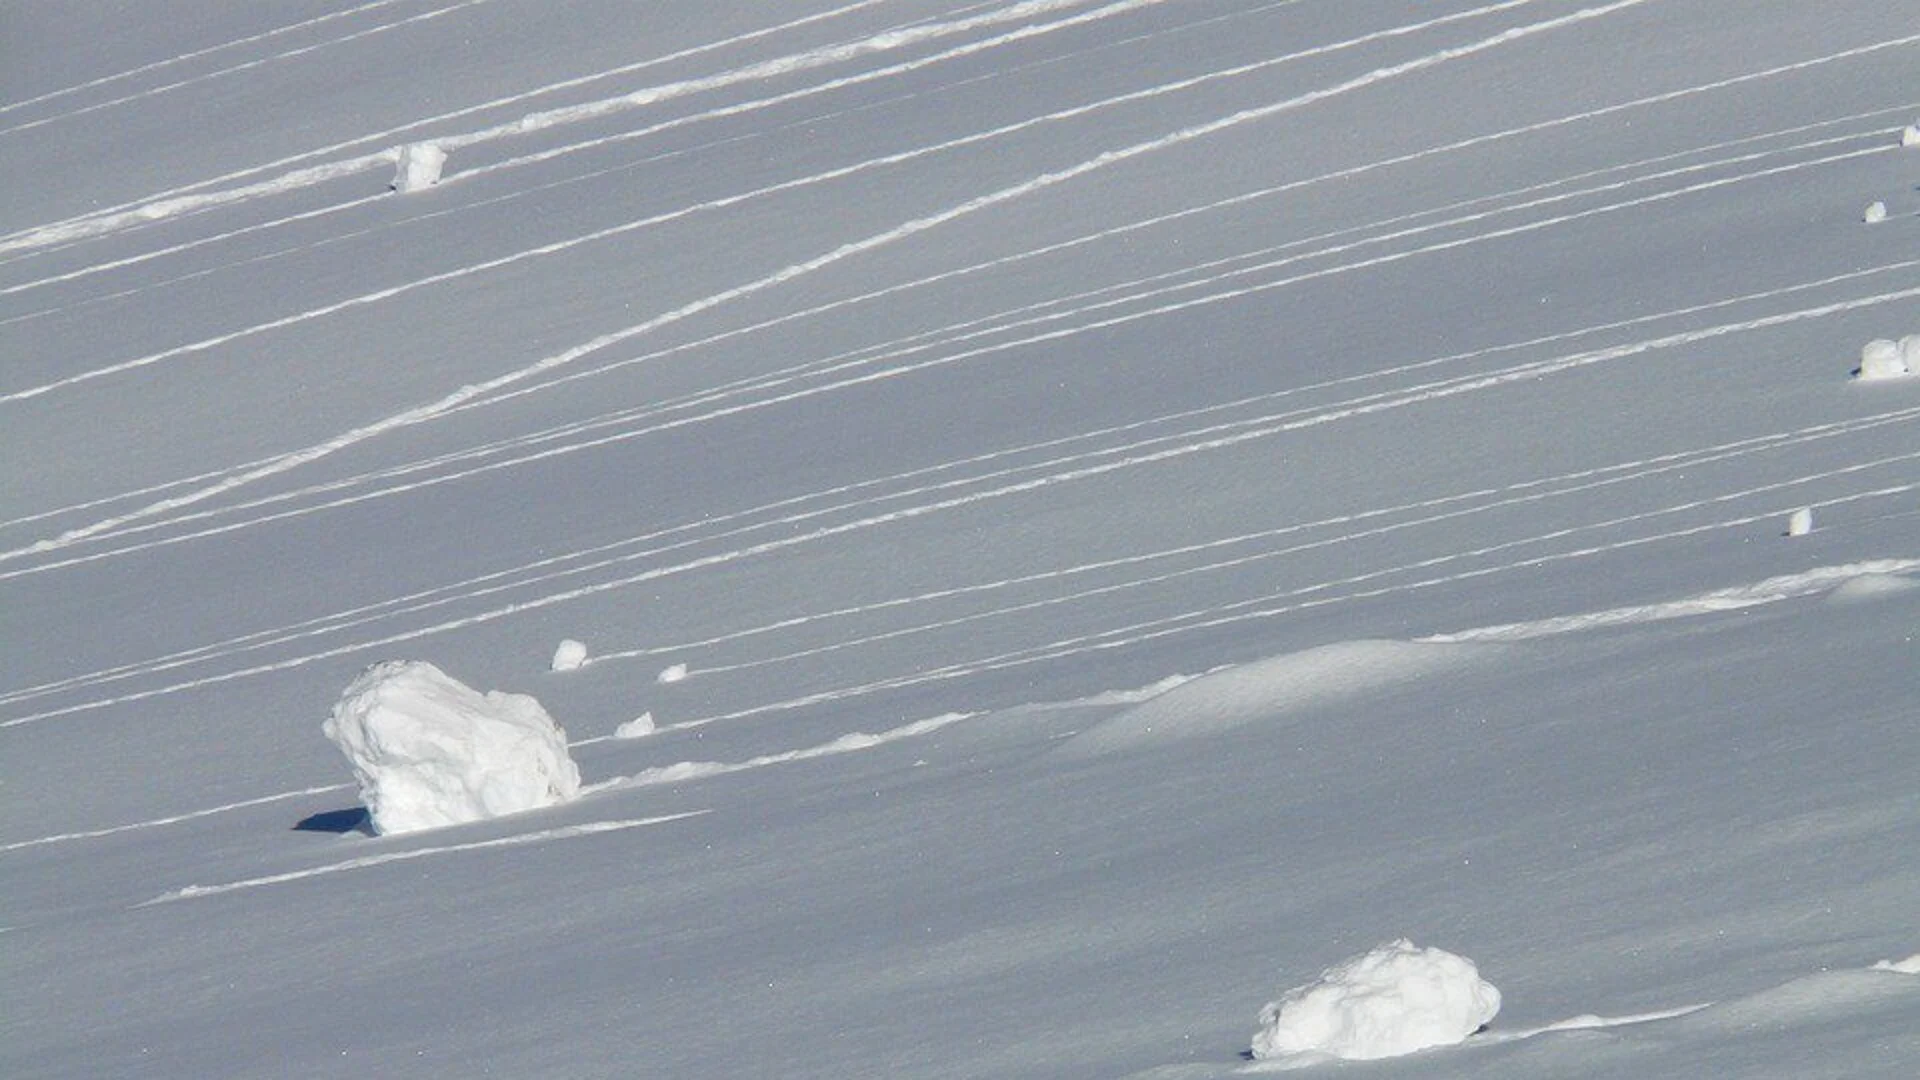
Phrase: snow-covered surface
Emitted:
{"points": [[1144, 498], [1393, 999], [429, 751]]}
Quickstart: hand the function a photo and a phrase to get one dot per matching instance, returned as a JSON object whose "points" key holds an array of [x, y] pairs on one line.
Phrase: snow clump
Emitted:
{"points": [[1910, 135], [1909, 966], [1800, 522], [570, 656], [418, 167], [637, 728], [1884, 359], [1393, 1000], [430, 751], [1876, 213], [672, 674]]}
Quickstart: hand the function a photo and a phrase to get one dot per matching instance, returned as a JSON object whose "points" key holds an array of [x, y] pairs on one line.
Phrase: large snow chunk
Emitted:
{"points": [[430, 751], [418, 167], [1882, 359], [1394, 1000]]}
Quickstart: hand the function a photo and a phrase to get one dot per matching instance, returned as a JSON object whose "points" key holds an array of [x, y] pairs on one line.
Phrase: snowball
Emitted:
{"points": [[1882, 359], [637, 728], [419, 167], [672, 674], [430, 751], [1394, 1000], [1876, 211], [1801, 523], [570, 656]]}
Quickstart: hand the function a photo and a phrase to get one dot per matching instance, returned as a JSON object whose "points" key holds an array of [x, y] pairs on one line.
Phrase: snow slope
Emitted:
{"points": [[1112, 508]]}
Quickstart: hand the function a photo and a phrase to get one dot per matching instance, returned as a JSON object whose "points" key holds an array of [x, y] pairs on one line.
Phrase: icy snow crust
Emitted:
{"points": [[1392, 1000], [429, 751]]}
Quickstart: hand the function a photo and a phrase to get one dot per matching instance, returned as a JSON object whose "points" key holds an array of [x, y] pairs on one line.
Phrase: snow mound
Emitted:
{"points": [[430, 751], [1910, 135], [1885, 359], [1909, 966], [1393, 1000], [570, 655], [1249, 693]]}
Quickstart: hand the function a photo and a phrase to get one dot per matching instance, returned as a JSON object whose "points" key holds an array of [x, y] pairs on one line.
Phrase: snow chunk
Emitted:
{"points": [[1876, 212], [672, 674], [1909, 966], [1910, 135], [637, 728], [1884, 359], [430, 751], [1801, 522], [570, 656], [419, 167], [1394, 1000]]}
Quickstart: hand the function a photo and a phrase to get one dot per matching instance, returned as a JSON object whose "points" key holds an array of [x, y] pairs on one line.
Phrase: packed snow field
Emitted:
{"points": [[1148, 538]]}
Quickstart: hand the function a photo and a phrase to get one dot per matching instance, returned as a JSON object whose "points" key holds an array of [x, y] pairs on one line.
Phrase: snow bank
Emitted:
{"points": [[418, 167], [1394, 1000], [1885, 359], [570, 655], [430, 751]]}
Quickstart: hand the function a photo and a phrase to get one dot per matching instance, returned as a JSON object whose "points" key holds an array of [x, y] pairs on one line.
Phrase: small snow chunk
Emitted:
{"points": [[672, 674], [637, 728], [1876, 212], [1801, 523], [430, 751], [1910, 135], [1882, 359], [419, 167], [1909, 966], [1393, 1000], [570, 656]]}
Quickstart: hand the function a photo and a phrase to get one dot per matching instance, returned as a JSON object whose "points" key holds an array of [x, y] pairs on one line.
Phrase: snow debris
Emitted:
{"points": [[1801, 522], [637, 728], [672, 674], [1884, 359], [1910, 135], [1393, 1000], [570, 656], [1876, 212], [1909, 966], [419, 167], [430, 751]]}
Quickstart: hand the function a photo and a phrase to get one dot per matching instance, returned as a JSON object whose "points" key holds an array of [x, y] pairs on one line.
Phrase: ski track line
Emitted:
{"points": [[467, 590], [431, 410], [143, 69], [1150, 580], [700, 770], [1378, 403], [897, 350], [173, 819], [187, 198], [565, 832], [1160, 628], [245, 66], [1020, 34], [559, 246]]}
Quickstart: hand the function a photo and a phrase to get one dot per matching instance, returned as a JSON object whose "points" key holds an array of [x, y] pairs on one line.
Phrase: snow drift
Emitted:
{"points": [[1395, 999], [430, 751]]}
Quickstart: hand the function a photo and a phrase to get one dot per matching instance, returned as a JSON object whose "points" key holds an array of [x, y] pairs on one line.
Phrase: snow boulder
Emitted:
{"points": [[1393, 1000], [430, 751], [1883, 359]]}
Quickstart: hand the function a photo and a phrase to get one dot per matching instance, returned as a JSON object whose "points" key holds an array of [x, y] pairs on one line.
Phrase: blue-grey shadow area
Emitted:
{"points": [[338, 822]]}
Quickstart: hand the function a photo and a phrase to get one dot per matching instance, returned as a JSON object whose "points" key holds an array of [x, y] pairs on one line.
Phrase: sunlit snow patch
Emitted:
{"points": [[1393, 1000], [430, 751]]}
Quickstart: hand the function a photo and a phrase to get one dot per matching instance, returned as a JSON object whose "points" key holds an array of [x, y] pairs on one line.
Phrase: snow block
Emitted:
{"points": [[1393, 1000], [430, 751], [1910, 135], [637, 728], [570, 655], [1876, 212], [419, 167], [1884, 359]]}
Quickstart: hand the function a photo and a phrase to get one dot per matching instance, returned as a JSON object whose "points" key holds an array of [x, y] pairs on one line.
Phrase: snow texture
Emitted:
{"points": [[1882, 358], [570, 655], [1392, 1000], [429, 751], [418, 167]]}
